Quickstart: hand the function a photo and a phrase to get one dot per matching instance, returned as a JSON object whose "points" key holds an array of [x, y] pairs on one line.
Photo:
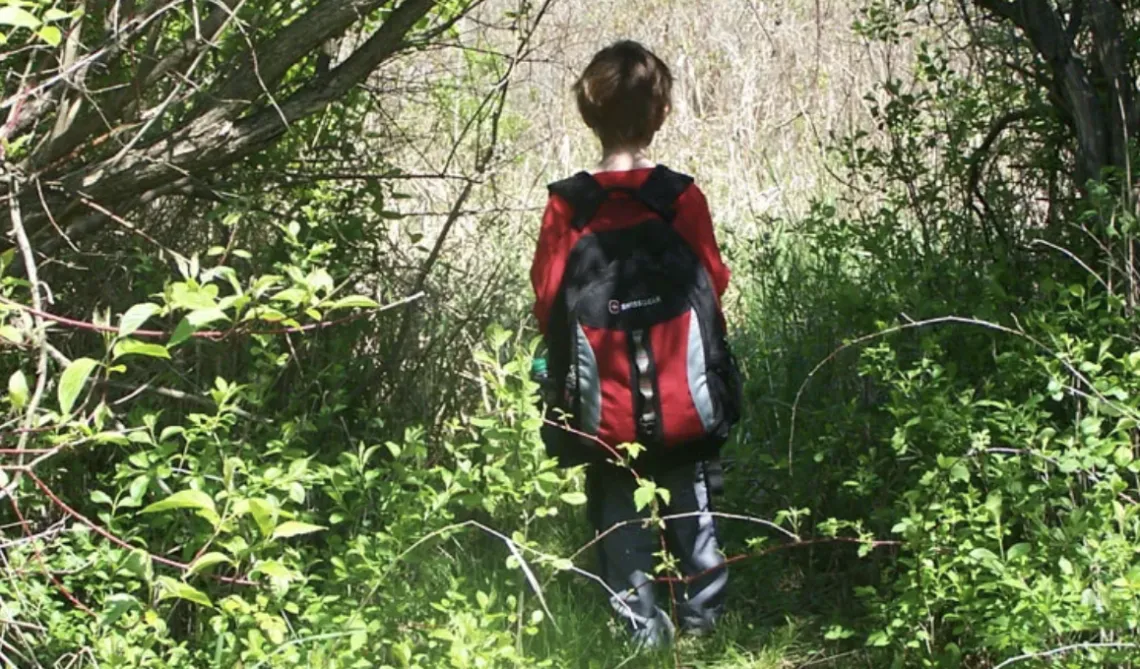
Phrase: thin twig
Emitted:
{"points": [[943, 320], [119, 542], [1072, 256], [208, 334], [40, 330], [124, 34], [678, 516], [1066, 649], [42, 562]]}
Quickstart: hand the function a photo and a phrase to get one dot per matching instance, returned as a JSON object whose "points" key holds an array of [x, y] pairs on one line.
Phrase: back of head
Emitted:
{"points": [[624, 95]]}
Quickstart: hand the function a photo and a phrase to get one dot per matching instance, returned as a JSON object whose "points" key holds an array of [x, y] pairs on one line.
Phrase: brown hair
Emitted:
{"points": [[624, 94]]}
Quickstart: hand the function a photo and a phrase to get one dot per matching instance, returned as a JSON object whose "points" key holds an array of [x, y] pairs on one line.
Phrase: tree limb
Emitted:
{"points": [[1043, 27]]}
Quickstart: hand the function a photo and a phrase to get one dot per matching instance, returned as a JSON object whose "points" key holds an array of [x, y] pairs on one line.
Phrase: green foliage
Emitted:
{"points": [[240, 463], [216, 538], [990, 426]]}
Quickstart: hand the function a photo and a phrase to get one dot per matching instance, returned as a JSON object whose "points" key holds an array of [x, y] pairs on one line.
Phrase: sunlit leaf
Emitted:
{"points": [[573, 498], [170, 588], [264, 514], [112, 437], [183, 331], [116, 606], [135, 317], [292, 528], [72, 380], [135, 347], [1017, 551], [208, 560], [18, 389], [353, 302], [51, 35], [203, 317], [11, 15], [11, 334], [186, 499], [293, 296], [643, 496]]}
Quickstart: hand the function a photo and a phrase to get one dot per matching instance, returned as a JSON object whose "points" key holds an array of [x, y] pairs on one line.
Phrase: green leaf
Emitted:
{"points": [[279, 575], [56, 14], [182, 332], [72, 380], [112, 437], [136, 347], [203, 317], [18, 389], [135, 317], [264, 514], [1123, 456], [171, 431], [960, 472], [983, 554], [573, 498], [192, 322], [643, 496], [11, 15], [177, 589], [292, 528], [293, 296], [116, 606], [100, 497], [1017, 551], [1066, 566], [138, 562], [138, 488], [187, 499], [353, 302], [51, 35], [208, 560], [11, 334]]}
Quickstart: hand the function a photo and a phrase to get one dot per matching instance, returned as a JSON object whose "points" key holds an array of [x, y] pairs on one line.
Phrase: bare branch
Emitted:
{"points": [[40, 335]]}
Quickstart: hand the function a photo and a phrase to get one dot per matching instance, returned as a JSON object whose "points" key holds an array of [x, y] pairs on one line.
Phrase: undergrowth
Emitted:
{"points": [[234, 460]]}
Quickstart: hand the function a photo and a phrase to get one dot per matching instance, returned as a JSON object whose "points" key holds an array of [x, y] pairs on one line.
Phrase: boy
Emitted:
{"points": [[641, 359]]}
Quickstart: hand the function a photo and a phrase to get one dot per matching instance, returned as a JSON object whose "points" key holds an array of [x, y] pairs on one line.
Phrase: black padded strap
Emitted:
{"points": [[661, 190], [714, 476], [584, 194]]}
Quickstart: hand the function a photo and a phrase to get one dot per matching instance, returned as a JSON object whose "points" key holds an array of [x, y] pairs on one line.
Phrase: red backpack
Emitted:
{"points": [[636, 340]]}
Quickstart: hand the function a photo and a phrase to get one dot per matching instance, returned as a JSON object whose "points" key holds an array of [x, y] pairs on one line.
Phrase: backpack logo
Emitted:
{"points": [[617, 307]]}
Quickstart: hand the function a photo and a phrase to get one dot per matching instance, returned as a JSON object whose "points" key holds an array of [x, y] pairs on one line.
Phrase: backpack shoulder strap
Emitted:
{"points": [[584, 195], [661, 190]]}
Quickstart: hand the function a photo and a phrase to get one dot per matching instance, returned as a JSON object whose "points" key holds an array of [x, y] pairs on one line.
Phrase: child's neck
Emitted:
{"points": [[624, 159]]}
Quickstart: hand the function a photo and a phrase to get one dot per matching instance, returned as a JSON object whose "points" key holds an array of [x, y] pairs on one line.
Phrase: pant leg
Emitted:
{"points": [[626, 555], [693, 542]]}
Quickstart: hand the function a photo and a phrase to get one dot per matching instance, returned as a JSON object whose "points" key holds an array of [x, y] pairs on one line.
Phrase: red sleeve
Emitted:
{"points": [[555, 241], [694, 222]]}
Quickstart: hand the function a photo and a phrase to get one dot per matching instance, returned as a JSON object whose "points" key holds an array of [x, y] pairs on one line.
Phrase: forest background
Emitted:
{"points": [[265, 330]]}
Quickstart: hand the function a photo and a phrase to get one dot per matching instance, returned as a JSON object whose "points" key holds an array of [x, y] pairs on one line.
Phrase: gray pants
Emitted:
{"points": [[626, 555]]}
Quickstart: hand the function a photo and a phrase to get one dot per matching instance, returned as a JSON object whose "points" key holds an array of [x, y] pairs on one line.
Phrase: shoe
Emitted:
{"points": [[657, 633]]}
